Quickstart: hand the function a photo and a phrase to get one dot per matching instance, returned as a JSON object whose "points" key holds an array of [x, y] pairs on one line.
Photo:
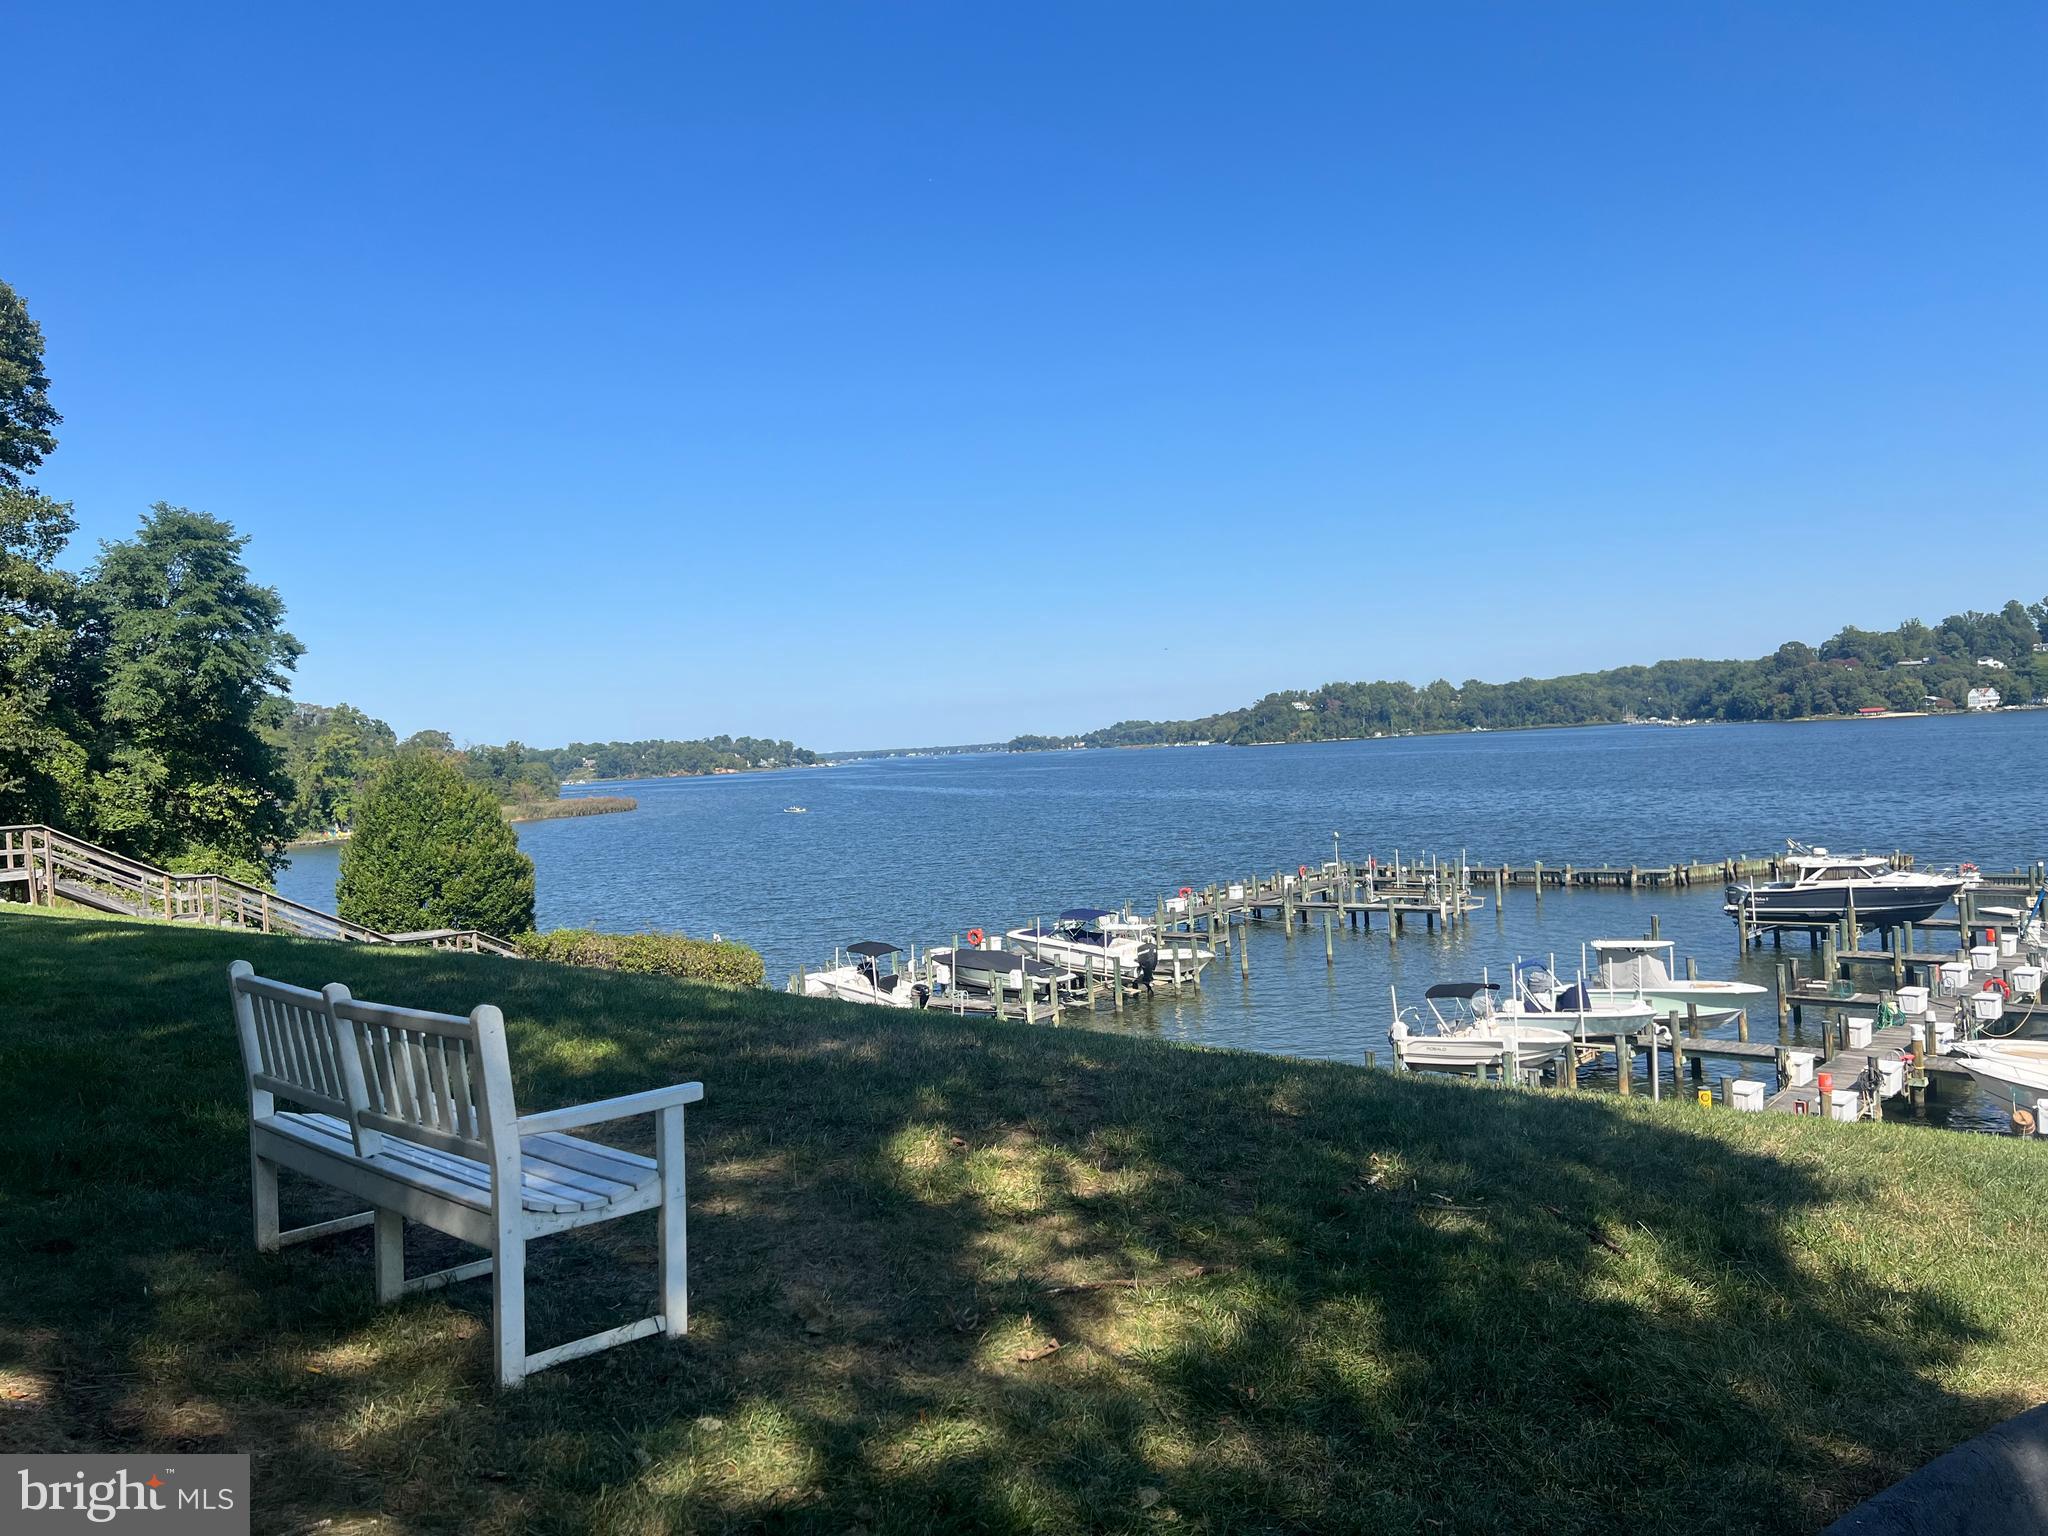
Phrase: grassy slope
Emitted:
{"points": [[1366, 1302]]}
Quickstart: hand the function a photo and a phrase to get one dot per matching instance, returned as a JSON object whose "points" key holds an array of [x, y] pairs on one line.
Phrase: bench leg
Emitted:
{"points": [[390, 1246], [675, 1241], [263, 1182], [508, 1304]]}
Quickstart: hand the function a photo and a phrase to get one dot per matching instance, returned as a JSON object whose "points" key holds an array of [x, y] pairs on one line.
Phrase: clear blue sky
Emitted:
{"points": [[623, 371]]}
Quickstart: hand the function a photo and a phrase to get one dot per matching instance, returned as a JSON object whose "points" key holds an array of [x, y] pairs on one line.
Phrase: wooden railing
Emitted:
{"points": [[53, 864]]}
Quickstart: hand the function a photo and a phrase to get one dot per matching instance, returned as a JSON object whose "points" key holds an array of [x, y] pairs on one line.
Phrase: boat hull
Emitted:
{"points": [[1716, 1002], [1533, 1048], [1878, 905]]}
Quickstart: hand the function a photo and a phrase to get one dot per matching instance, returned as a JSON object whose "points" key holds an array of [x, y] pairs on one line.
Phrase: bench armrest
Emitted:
{"points": [[622, 1108]]}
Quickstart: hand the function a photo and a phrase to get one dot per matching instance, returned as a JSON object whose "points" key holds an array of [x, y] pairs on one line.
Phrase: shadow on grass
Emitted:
{"points": [[1285, 1296]]}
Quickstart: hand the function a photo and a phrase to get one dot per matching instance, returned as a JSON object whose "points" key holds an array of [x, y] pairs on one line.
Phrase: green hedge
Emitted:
{"points": [[661, 954]]}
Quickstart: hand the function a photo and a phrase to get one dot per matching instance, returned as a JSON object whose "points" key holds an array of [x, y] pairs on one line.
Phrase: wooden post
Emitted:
{"points": [[1655, 927], [1625, 1061], [1116, 981], [1742, 1025], [1677, 1052], [1329, 941], [1569, 1077], [1244, 950]]}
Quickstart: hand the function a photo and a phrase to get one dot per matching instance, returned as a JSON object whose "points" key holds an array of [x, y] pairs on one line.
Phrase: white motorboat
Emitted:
{"points": [[1642, 969], [1540, 995], [1463, 1030], [1825, 887], [870, 975], [1093, 942], [2020, 1067]]}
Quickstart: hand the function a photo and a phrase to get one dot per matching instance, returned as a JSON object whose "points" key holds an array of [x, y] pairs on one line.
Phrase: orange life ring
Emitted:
{"points": [[1186, 891], [1966, 869], [1303, 870], [1999, 984], [974, 937]]}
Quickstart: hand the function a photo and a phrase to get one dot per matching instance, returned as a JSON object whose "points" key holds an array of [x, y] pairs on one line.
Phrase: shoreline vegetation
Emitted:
{"points": [[1229, 1290], [1968, 662], [532, 810]]}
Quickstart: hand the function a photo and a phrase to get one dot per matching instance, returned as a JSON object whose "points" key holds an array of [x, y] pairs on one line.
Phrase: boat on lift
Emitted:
{"points": [[1824, 887], [1461, 1028], [977, 980], [1539, 994], [871, 974], [1642, 970], [1093, 942]]}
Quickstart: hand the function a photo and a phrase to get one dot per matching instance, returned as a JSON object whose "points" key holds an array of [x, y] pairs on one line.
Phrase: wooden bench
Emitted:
{"points": [[413, 1112]]}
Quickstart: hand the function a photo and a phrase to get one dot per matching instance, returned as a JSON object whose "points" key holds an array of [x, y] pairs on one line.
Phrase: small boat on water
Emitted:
{"points": [[1093, 942], [1825, 887], [1642, 969], [796, 810], [869, 976], [1463, 1030]]}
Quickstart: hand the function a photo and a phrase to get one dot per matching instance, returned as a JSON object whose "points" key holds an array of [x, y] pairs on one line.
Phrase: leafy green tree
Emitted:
{"points": [[187, 650], [430, 849], [42, 761], [428, 741], [26, 414]]}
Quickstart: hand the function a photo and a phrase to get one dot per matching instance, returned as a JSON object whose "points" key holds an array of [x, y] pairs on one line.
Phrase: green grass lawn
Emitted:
{"points": [[1286, 1296]]}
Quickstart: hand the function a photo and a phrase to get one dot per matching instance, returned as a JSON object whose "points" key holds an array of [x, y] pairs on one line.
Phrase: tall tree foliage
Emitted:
{"points": [[430, 849], [42, 763], [187, 651], [26, 415]]}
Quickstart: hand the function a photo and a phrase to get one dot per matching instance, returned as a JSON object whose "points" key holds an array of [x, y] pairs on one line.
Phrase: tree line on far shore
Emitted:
{"points": [[1912, 667]]}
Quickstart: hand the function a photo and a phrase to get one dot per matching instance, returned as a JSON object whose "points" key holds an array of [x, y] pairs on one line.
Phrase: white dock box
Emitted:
{"points": [[1912, 1001], [1955, 975], [2008, 945], [1983, 957], [1237, 893], [1860, 1026], [1798, 1068], [1944, 1036], [1989, 1007], [1891, 1074], [2025, 979], [1746, 1095], [1845, 1104]]}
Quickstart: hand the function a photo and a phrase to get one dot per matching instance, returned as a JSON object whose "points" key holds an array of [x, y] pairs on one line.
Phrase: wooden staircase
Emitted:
{"points": [[53, 864]]}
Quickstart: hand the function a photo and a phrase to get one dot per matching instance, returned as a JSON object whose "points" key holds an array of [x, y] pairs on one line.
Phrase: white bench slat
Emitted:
{"points": [[547, 1183]]}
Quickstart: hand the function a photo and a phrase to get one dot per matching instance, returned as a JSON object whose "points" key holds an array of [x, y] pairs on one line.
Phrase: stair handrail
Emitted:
{"points": [[150, 879]]}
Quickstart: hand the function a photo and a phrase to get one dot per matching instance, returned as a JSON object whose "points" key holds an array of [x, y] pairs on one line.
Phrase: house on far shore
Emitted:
{"points": [[1983, 698], [1992, 662], [1873, 709]]}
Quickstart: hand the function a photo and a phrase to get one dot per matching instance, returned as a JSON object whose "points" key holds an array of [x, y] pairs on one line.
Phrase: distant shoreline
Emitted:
{"points": [[540, 810]]}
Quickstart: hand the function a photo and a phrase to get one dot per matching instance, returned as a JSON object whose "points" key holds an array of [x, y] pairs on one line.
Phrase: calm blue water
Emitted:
{"points": [[923, 849]]}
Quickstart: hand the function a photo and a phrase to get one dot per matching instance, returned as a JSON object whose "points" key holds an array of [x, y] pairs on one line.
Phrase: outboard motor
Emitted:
{"points": [[1148, 963]]}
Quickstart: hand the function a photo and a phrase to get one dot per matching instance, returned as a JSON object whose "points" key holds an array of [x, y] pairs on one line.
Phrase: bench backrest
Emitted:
{"points": [[437, 1079], [289, 1047]]}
